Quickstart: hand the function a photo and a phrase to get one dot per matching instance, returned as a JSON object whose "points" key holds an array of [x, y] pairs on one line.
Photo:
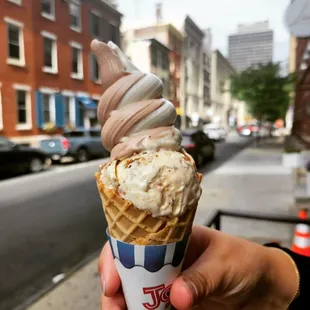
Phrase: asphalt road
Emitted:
{"points": [[51, 221]]}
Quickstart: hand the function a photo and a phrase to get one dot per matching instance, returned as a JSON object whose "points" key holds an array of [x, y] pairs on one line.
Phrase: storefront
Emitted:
{"points": [[63, 110]]}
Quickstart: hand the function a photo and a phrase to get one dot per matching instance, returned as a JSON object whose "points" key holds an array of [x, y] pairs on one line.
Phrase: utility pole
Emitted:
{"points": [[159, 14]]}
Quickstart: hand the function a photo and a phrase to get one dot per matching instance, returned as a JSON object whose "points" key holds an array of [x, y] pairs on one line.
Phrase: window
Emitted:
{"points": [[95, 69], [95, 133], [75, 15], [77, 61], [4, 142], [69, 110], [48, 9], [154, 57], [74, 134], [95, 25], [82, 115], [93, 119], [114, 32], [165, 62], [23, 107], [16, 54], [159, 58], [50, 62], [49, 108]]}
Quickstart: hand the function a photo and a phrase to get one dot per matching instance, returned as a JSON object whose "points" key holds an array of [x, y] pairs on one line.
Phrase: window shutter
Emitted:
{"points": [[59, 109], [39, 112]]}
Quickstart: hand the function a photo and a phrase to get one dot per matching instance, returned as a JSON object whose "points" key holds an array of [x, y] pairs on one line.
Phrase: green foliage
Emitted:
{"points": [[264, 90]]}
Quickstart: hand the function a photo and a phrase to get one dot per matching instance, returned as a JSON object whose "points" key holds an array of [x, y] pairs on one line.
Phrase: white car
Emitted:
{"points": [[215, 132]]}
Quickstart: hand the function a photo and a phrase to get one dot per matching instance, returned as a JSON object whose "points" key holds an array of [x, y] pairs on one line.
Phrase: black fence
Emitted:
{"points": [[215, 219]]}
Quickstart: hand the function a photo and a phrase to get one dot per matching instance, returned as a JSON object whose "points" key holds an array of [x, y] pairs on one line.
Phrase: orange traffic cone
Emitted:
{"points": [[301, 243]]}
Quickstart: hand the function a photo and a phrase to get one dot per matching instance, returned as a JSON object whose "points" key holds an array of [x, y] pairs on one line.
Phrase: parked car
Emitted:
{"points": [[253, 130], [16, 158], [248, 130], [215, 132], [198, 145], [79, 144]]}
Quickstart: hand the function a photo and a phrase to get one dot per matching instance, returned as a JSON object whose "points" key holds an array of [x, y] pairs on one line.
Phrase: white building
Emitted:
{"points": [[223, 106], [149, 55], [192, 79], [207, 54]]}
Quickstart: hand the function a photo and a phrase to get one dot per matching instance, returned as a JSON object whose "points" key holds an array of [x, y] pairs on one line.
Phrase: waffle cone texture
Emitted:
{"points": [[131, 225]]}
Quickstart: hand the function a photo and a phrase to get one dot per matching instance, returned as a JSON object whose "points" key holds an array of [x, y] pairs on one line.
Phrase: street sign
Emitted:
{"points": [[297, 18]]}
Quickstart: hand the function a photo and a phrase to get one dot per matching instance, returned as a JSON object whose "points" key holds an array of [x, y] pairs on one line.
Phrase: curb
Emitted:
{"points": [[51, 286]]}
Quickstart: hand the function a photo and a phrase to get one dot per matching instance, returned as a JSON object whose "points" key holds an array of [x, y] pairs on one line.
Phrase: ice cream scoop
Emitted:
{"points": [[163, 183]]}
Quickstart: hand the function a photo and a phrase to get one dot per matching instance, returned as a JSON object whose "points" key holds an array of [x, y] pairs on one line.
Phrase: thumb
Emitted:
{"points": [[195, 284]]}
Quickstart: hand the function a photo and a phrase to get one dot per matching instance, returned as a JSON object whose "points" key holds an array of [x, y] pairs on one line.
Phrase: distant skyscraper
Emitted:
{"points": [[251, 45]]}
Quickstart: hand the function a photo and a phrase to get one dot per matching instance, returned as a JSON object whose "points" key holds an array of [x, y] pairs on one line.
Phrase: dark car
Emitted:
{"points": [[198, 145], [79, 144], [16, 158]]}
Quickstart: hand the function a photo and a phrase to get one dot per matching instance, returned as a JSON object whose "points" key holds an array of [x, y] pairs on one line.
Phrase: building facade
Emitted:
{"points": [[223, 106], [150, 55], [301, 124], [192, 79], [251, 45], [169, 36], [207, 55], [49, 78]]}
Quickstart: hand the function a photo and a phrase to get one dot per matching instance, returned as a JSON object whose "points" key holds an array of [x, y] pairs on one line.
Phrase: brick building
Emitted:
{"points": [[48, 77], [301, 124]]}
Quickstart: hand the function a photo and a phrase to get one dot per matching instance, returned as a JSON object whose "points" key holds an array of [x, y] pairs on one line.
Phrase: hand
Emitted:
{"points": [[220, 272]]}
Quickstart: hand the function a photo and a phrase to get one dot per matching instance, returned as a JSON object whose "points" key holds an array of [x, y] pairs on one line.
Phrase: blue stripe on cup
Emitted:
{"points": [[152, 258], [126, 254]]}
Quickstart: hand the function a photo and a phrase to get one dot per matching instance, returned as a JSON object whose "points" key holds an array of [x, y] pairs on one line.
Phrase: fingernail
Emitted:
{"points": [[102, 282]]}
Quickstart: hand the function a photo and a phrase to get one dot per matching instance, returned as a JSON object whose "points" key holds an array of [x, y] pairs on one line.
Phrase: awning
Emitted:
{"points": [[87, 103]]}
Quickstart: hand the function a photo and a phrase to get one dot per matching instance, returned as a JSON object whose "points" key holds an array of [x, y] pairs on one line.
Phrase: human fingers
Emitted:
{"points": [[197, 244], [117, 302], [202, 277], [110, 280]]}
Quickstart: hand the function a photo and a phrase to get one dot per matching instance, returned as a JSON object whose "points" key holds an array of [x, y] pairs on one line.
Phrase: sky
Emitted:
{"points": [[222, 16]]}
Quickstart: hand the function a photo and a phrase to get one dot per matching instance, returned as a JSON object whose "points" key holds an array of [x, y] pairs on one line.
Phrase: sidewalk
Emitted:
{"points": [[254, 180]]}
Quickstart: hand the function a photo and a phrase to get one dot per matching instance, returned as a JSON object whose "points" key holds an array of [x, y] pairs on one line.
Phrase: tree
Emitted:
{"points": [[264, 90]]}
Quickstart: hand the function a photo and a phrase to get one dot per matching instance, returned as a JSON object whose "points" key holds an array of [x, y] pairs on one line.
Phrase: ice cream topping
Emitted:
{"points": [[147, 166]]}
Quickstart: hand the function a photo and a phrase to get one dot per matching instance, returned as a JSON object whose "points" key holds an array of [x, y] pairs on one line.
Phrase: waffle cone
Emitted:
{"points": [[129, 224]]}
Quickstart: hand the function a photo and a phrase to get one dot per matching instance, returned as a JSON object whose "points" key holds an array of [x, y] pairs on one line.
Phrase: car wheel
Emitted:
{"points": [[82, 155], [199, 159], [208, 152], [36, 165]]}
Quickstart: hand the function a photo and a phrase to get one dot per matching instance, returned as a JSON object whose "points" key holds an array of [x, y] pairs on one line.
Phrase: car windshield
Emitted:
{"points": [[4, 141], [74, 134]]}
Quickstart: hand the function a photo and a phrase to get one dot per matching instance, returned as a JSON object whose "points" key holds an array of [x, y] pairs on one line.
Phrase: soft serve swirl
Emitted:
{"points": [[132, 112]]}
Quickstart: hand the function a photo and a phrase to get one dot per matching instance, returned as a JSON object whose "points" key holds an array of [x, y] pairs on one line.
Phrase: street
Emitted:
{"points": [[52, 221]]}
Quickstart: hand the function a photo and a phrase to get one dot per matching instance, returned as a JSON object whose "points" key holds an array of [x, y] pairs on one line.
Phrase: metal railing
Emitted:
{"points": [[215, 218]]}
